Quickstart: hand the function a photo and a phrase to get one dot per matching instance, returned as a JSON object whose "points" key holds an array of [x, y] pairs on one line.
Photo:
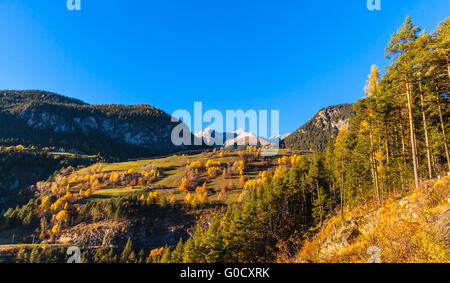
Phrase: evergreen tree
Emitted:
{"points": [[126, 253]]}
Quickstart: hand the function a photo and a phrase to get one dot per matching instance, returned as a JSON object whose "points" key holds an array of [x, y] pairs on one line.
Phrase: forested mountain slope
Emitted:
{"points": [[47, 119], [324, 126], [21, 169]]}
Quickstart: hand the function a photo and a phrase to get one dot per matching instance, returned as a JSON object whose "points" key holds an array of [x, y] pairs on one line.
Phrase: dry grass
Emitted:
{"points": [[410, 229]]}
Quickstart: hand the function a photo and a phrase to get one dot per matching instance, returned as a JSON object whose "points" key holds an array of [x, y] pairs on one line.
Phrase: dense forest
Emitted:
{"points": [[20, 169]]}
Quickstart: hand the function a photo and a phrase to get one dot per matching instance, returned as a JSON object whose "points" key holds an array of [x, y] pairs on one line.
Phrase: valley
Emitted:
{"points": [[169, 196], [361, 182]]}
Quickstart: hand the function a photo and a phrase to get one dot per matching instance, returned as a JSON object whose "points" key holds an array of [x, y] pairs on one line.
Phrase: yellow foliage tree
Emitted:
{"points": [[230, 185], [183, 186], [152, 198], [68, 197], [242, 196], [55, 229], [242, 181], [64, 181], [222, 195], [95, 185], [201, 193], [156, 252], [114, 177], [58, 205], [188, 198], [63, 215]]}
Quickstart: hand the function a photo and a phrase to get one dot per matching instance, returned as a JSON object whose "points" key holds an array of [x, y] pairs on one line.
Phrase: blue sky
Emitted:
{"points": [[291, 55]]}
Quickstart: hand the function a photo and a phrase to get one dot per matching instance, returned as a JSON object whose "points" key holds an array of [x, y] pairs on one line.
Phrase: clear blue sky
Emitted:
{"points": [[293, 55]]}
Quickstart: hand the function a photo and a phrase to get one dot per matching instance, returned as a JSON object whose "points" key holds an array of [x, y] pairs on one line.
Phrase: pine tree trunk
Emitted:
{"points": [[305, 207], [427, 143], [333, 193], [403, 140], [342, 190], [448, 70], [321, 204], [387, 143], [443, 128], [412, 133], [373, 164], [381, 164], [400, 170]]}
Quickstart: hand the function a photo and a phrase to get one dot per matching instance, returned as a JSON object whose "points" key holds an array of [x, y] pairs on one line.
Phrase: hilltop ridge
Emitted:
{"points": [[48, 119]]}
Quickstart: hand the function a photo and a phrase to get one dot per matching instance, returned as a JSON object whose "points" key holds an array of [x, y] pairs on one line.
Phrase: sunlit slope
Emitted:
{"points": [[170, 172], [410, 228]]}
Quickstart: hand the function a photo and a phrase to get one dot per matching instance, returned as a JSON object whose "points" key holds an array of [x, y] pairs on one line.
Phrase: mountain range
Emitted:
{"points": [[237, 138], [46, 119], [312, 136], [126, 131]]}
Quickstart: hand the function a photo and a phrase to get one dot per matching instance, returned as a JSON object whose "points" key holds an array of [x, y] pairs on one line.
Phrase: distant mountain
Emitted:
{"points": [[315, 134], [236, 138], [279, 138], [207, 135], [246, 138], [48, 119]]}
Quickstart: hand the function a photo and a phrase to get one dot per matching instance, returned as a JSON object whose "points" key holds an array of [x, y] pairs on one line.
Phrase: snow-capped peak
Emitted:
{"points": [[239, 137], [279, 137]]}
